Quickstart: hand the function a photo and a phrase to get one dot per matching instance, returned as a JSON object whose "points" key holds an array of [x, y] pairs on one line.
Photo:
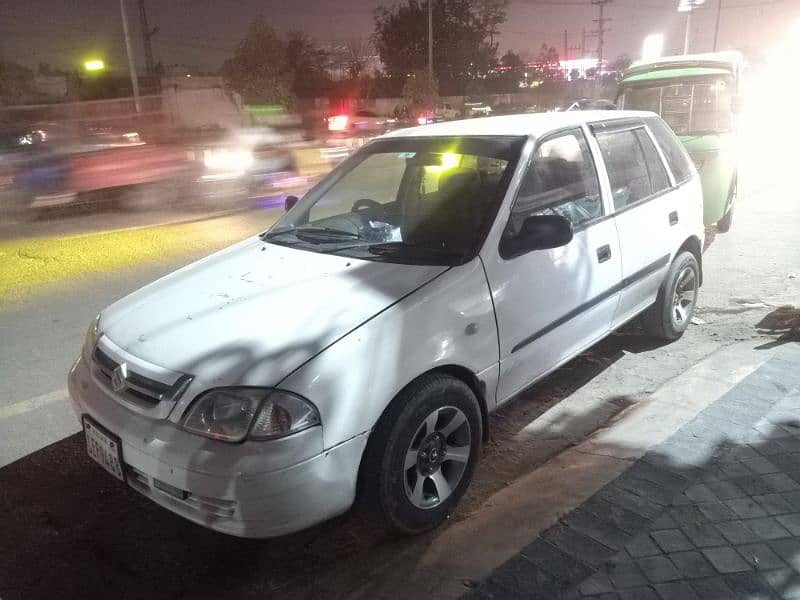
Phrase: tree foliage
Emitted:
{"points": [[16, 81], [547, 55], [622, 62], [420, 90], [307, 64], [268, 69], [511, 59], [259, 68], [463, 37]]}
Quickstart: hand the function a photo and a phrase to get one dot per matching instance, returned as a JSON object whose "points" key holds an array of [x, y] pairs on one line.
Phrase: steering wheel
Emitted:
{"points": [[365, 203]]}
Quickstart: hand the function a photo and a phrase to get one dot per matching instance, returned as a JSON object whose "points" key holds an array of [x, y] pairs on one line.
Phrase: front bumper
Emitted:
{"points": [[252, 489]]}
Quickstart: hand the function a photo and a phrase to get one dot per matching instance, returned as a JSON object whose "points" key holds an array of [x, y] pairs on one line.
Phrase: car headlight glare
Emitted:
{"points": [[226, 414]]}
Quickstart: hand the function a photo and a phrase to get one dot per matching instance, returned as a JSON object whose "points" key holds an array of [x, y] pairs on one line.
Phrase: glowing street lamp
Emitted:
{"points": [[94, 66], [653, 46]]}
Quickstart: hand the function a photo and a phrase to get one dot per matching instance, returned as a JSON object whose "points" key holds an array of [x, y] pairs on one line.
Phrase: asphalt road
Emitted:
{"points": [[68, 529]]}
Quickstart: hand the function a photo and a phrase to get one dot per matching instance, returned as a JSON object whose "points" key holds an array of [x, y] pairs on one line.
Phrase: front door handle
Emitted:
{"points": [[673, 218], [603, 253]]}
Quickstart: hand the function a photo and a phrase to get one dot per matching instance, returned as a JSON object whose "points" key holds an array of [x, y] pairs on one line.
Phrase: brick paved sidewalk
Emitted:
{"points": [[713, 512]]}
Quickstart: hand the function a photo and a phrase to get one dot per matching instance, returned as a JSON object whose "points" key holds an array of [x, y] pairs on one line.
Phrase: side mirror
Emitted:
{"points": [[289, 202], [539, 232]]}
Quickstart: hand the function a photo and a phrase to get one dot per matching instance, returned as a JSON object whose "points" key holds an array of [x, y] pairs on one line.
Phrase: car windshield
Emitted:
{"points": [[408, 200], [690, 108]]}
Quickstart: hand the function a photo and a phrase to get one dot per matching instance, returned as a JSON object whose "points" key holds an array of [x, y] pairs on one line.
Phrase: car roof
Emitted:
{"points": [[535, 124]]}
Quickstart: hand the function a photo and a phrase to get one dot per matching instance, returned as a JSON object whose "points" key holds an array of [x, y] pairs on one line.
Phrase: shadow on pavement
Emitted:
{"points": [[70, 529], [713, 512]]}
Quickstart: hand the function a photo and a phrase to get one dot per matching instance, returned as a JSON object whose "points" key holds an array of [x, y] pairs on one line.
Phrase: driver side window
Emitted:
{"points": [[378, 179], [561, 180]]}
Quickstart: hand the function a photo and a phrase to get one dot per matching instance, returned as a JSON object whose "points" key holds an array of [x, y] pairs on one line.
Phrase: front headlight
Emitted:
{"points": [[92, 335], [224, 159], [227, 414]]}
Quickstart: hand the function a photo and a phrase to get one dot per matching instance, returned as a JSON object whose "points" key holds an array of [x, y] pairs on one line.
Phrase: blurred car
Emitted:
{"points": [[358, 122], [446, 111], [476, 108], [592, 104]]}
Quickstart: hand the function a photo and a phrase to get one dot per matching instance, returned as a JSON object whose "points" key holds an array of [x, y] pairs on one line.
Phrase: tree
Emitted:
{"points": [[259, 69], [16, 81], [357, 50], [491, 14], [420, 90], [622, 62], [306, 64], [511, 59], [547, 55], [463, 33]]}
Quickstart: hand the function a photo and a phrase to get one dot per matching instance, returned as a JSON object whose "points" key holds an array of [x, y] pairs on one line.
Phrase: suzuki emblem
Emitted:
{"points": [[119, 377]]}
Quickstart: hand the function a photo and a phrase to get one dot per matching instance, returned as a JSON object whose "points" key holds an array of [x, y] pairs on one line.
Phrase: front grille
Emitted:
{"points": [[138, 387]]}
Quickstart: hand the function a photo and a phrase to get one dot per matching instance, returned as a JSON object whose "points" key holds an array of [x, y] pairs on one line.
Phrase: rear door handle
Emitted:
{"points": [[604, 253], [673, 218]]}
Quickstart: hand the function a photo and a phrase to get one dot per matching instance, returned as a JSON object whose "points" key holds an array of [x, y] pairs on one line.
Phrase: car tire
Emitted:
{"points": [[674, 308], [433, 414]]}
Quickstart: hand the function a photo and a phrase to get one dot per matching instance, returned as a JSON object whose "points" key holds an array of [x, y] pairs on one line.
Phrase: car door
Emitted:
{"points": [[644, 211], [552, 304]]}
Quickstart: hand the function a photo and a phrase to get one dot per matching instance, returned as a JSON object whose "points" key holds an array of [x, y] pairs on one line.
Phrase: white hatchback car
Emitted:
{"points": [[358, 346]]}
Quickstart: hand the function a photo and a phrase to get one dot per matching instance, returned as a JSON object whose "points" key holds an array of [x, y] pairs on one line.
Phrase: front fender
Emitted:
{"points": [[449, 321]]}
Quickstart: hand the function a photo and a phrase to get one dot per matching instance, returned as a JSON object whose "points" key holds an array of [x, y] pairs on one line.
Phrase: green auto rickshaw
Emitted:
{"points": [[698, 96]]}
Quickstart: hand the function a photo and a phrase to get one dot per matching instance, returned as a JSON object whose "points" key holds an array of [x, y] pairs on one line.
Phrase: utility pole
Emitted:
{"points": [[583, 44], [147, 34], [131, 62], [430, 40], [566, 46], [716, 29], [601, 31], [688, 31]]}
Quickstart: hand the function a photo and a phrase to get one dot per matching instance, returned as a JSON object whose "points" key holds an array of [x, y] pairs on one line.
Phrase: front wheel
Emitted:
{"points": [[674, 308], [422, 455]]}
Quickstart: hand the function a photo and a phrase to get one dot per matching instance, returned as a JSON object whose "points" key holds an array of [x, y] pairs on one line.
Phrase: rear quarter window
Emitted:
{"points": [[674, 152]]}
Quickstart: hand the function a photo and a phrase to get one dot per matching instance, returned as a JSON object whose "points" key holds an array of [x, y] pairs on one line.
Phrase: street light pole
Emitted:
{"points": [[131, 63], [430, 40], [688, 31], [716, 29]]}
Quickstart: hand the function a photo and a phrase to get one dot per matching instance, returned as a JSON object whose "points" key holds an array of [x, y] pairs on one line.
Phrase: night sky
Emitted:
{"points": [[202, 33]]}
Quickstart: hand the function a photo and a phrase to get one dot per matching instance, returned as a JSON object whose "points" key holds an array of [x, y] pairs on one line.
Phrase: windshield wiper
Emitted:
{"points": [[390, 248], [314, 234]]}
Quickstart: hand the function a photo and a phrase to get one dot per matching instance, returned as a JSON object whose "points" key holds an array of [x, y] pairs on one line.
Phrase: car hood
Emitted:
{"points": [[253, 313]]}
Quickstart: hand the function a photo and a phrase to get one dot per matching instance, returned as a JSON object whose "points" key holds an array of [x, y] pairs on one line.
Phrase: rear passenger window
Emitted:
{"points": [[635, 169], [673, 151], [561, 180]]}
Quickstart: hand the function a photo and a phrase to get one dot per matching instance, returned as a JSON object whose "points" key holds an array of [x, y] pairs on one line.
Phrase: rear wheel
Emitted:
{"points": [[674, 308], [422, 455]]}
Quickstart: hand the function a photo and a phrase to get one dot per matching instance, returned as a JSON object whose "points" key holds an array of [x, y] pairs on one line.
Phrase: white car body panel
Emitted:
{"points": [[348, 335], [351, 381]]}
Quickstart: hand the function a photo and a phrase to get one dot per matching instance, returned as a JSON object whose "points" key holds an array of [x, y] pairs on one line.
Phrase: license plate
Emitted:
{"points": [[103, 447]]}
